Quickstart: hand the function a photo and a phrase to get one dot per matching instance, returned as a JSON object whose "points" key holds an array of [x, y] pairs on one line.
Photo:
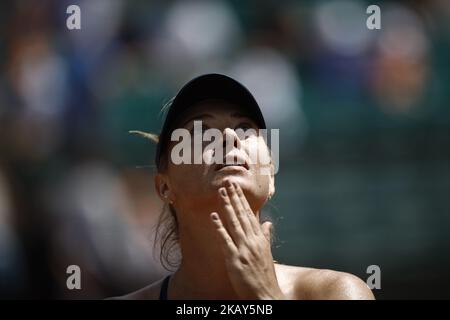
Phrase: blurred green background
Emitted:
{"points": [[364, 123]]}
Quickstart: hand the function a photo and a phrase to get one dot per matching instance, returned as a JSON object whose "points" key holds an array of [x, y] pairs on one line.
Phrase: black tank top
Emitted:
{"points": [[164, 286]]}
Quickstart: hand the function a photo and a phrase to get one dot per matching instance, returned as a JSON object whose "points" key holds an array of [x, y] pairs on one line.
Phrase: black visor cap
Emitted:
{"points": [[206, 87]]}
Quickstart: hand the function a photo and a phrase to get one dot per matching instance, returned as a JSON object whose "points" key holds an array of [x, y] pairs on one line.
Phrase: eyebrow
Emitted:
{"points": [[197, 117], [240, 115], [245, 116]]}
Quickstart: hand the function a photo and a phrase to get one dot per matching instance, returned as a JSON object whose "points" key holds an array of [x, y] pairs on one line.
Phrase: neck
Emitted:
{"points": [[202, 273]]}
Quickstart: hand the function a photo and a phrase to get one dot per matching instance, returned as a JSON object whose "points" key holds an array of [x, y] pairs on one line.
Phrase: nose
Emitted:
{"points": [[230, 135]]}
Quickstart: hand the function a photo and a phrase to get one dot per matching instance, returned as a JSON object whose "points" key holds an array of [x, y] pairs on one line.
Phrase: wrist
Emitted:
{"points": [[275, 295]]}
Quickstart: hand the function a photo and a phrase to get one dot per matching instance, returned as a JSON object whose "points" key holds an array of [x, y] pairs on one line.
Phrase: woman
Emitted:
{"points": [[225, 251]]}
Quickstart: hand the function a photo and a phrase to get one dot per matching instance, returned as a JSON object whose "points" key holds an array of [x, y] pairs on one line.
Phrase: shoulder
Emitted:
{"points": [[150, 292], [321, 284]]}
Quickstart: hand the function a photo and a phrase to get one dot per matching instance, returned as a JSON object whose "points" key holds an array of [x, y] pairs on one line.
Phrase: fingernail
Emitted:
{"points": [[214, 216], [229, 184], [223, 192]]}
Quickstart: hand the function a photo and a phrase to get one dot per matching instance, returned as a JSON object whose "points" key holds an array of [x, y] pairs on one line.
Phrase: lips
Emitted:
{"points": [[239, 162], [230, 167]]}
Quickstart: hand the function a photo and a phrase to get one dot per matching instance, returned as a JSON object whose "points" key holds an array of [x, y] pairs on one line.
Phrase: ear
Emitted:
{"points": [[163, 188]]}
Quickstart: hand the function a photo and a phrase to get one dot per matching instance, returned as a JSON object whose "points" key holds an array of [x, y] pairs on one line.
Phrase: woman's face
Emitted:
{"points": [[195, 186]]}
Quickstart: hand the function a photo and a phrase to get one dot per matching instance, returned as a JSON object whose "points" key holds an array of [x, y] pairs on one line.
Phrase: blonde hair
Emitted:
{"points": [[166, 229]]}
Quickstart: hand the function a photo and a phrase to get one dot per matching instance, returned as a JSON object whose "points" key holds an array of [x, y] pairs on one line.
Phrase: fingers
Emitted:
{"points": [[266, 228], [251, 218], [228, 214], [226, 242], [239, 207]]}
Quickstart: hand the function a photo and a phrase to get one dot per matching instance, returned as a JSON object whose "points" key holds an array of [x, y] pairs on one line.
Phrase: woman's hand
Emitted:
{"points": [[246, 247]]}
